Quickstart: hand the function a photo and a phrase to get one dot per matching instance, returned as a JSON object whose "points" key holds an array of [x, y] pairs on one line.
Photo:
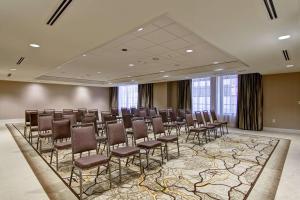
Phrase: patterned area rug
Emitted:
{"points": [[226, 168]]}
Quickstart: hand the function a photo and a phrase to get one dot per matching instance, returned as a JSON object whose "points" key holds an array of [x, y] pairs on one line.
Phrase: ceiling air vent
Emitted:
{"points": [[20, 60], [286, 55], [271, 9], [61, 8]]}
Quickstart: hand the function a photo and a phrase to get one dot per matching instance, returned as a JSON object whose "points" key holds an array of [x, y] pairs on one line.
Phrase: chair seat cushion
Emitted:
{"points": [[91, 161], [149, 144], [125, 151], [45, 134], [210, 126], [101, 138], [202, 129], [63, 145], [168, 138]]}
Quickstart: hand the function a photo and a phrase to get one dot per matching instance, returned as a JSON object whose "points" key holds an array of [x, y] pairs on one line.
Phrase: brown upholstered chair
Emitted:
{"points": [[58, 115], [83, 140], [116, 136], [125, 111], [44, 129], [134, 111], [49, 111], [158, 129], [152, 113], [165, 119], [61, 135], [95, 112], [127, 120], [201, 123], [192, 128], [68, 111], [27, 121], [208, 122], [81, 113], [143, 113], [139, 129], [114, 111], [71, 117], [215, 120], [33, 124], [176, 121]]}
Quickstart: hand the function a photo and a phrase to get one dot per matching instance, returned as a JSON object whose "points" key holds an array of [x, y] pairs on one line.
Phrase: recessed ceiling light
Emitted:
{"points": [[162, 71], [129, 76], [109, 83], [13, 69], [34, 45], [165, 76], [98, 72], [216, 62], [220, 69], [284, 37], [288, 66], [83, 54], [140, 29], [131, 65], [189, 50]]}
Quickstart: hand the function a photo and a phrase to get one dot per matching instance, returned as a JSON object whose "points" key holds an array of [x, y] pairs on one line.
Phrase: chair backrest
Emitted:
{"points": [[58, 115], [125, 111], [71, 117], [114, 111], [142, 113], [173, 116], [164, 116], [103, 114], [27, 115], [45, 122], [158, 126], [139, 129], [152, 113], [49, 111], [81, 112], [116, 134], [95, 112], [199, 117], [68, 111], [213, 115], [33, 118], [90, 118], [181, 113], [206, 116], [61, 129], [83, 138], [189, 119], [188, 111], [134, 111], [127, 120]]}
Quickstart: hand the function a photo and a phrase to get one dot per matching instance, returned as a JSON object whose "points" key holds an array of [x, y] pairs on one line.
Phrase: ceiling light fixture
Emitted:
{"points": [[109, 83], [129, 76], [288, 66], [84, 55], [131, 65], [161, 71], [140, 29], [13, 69], [220, 69], [165, 76], [284, 37], [189, 50], [216, 62], [34, 45], [98, 72]]}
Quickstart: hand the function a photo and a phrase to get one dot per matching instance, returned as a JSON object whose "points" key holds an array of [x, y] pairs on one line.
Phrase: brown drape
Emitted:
{"points": [[145, 95], [184, 95], [250, 102], [113, 97]]}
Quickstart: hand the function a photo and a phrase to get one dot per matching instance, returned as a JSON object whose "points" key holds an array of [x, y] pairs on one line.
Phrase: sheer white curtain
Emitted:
{"points": [[227, 89], [201, 94], [128, 96]]}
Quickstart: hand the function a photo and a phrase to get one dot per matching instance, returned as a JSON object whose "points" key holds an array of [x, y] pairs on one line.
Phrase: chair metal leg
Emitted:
{"points": [[80, 185], [147, 157], [37, 144], [109, 174], [178, 148], [188, 136], [162, 155], [120, 172], [140, 158], [56, 152], [71, 177], [167, 152], [51, 157], [98, 169]]}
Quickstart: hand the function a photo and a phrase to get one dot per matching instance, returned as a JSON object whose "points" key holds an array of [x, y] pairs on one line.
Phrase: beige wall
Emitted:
{"points": [[281, 100], [160, 95], [15, 97]]}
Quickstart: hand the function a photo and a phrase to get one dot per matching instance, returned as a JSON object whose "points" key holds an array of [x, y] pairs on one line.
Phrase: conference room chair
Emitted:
{"points": [[174, 119], [134, 111], [166, 121], [116, 136], [192, 129], [95, 112], [181, 114], [208, 122], [71, 117], [68, 111], [215, 120], [152, 113], [158, 129], [127, 120], [143, 113], [211, 130], [81, 112], [58, 115], [33, 124], [83, 141], [114, 111], [27, 121], [49, 111], [44, 129], [125, 111], [139, 129], [61, 134]]}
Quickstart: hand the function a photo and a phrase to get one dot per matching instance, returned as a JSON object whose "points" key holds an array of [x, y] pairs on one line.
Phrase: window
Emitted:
{"points": [[228, 86], [128, 96], [201, 94]]}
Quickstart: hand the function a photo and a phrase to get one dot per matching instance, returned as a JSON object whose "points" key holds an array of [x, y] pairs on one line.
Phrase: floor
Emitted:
{"points": [[17, 164]]}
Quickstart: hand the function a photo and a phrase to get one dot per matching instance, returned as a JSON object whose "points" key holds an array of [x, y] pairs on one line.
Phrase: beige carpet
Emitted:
{"points": [[226, 168]]}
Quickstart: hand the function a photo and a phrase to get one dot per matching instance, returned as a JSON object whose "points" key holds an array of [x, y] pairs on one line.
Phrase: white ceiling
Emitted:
{"points": [[238, 34]]}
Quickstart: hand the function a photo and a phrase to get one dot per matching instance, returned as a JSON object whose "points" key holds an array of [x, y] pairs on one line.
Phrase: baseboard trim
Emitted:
{"points": [[282, 130]]}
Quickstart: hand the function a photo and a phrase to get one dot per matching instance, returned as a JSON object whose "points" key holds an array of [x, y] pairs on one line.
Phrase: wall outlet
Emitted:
{"points": [[273, 121]]}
